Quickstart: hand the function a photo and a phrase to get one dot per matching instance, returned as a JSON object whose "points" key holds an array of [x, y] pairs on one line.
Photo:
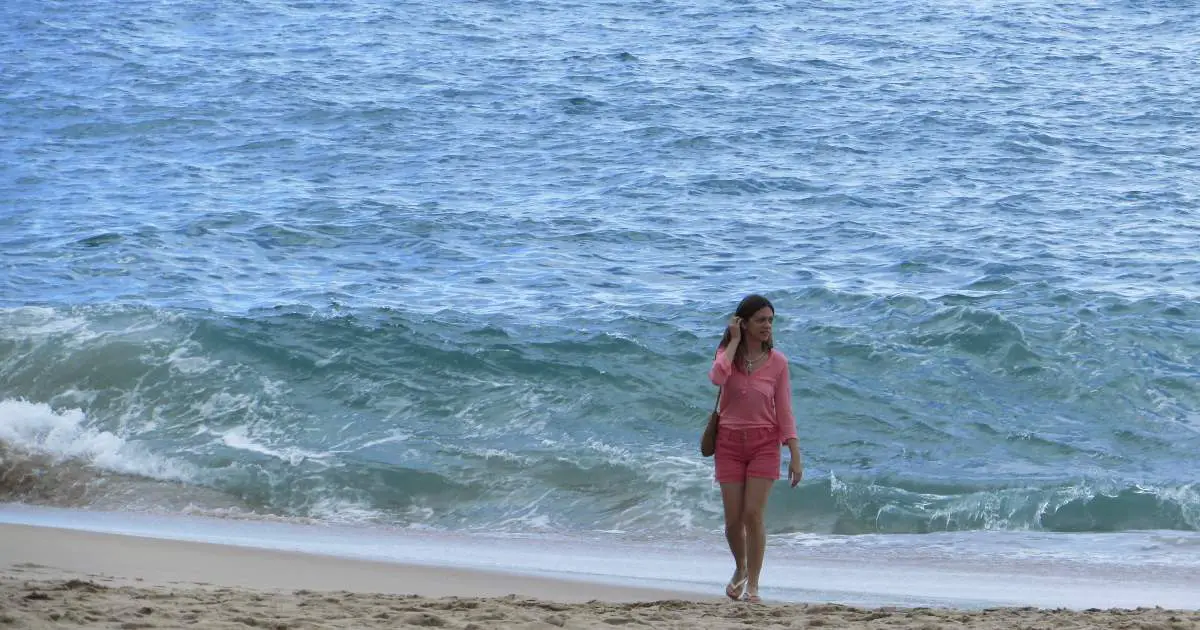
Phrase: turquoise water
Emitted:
{"points": [[462, 266]]}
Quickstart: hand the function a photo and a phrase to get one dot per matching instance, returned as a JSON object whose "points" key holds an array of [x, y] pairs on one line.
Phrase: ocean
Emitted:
{"points": [[461, 267]]}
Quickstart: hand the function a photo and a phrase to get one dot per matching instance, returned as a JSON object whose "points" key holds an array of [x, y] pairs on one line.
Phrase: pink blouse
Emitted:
{"points": [[759, 400]]}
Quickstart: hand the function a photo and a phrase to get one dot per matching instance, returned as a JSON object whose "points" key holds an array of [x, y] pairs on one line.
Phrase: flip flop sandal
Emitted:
{"points": [[733, 590]]}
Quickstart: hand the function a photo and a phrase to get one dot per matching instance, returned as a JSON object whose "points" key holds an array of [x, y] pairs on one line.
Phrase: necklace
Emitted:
{"points": [[750, 363]]}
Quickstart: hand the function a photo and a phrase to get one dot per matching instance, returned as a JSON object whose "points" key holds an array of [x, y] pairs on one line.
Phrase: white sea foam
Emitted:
{"points": [[241, 439], [66, 434], [40, 322], [183, 360]]}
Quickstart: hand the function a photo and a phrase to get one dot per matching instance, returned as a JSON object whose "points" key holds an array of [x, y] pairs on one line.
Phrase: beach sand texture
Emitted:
{"points": [[90, 603], [87, 580]]}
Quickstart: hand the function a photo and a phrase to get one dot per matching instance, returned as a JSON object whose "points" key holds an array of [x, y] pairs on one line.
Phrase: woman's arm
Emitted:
{"points": [[722, 365], [783, 406], [787, 425], [796, 464]]}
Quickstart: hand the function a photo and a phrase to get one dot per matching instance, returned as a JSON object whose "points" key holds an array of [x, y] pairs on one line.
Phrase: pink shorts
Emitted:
{"points": [[745, 453]]}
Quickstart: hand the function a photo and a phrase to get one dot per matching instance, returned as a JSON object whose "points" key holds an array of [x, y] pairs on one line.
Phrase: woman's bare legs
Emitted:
{"points": [[735, 534], [754, 508]]}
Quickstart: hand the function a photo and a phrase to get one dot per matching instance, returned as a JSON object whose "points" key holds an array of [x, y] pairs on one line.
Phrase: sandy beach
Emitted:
{"points": [[52, 578]]}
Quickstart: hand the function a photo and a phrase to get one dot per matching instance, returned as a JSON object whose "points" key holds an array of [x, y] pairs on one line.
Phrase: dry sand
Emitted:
{"points": [[53, 578]]}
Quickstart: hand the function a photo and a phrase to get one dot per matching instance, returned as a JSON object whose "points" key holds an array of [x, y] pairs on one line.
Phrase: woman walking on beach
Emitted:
{"points": [[755, 419]]}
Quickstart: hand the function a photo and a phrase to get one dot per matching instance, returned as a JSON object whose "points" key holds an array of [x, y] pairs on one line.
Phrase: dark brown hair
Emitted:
{"points": [[749, 305]]}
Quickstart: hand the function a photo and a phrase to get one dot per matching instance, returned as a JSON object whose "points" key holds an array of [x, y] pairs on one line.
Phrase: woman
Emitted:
{"points": [[755, 418]]}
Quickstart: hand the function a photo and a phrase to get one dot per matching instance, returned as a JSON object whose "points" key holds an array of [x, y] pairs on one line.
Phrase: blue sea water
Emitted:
{"points": [[462, 266]]}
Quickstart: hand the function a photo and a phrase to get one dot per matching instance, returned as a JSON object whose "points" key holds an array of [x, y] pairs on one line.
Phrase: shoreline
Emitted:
{"points": [[964, 572], [131, 560], [52, 577]]}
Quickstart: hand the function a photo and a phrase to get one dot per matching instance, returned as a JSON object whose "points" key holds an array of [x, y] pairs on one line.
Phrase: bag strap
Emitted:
{"points": [[717, 404]]}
